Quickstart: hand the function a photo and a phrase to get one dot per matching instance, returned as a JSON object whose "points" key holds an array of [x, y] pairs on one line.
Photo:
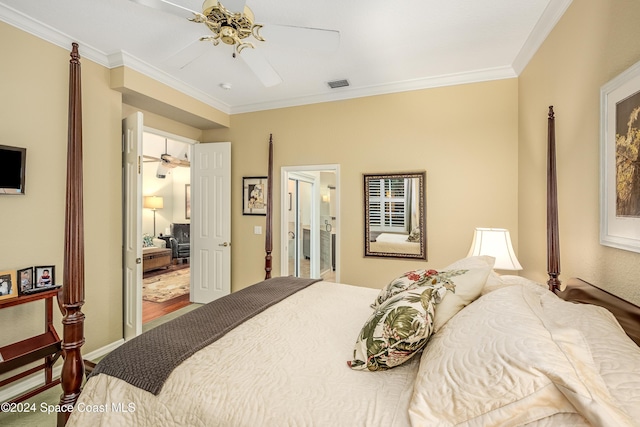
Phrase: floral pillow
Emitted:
{"points": [[414, 236], [412, 280], [398, 328], [147, 240]]}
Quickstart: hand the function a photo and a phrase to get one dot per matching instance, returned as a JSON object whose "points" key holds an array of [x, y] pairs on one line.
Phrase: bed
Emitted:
{"points": [[395, 244], [501, 350]]}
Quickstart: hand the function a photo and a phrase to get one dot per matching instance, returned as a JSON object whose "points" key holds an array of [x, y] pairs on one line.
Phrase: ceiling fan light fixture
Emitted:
{"points": [[229, 27]]}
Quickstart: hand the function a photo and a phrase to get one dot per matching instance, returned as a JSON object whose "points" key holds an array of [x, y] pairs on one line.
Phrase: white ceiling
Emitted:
{"points": [[385, 46]]}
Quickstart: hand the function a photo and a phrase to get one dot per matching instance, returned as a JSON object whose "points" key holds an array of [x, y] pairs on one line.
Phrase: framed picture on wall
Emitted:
{"points": [[187, 201], [254, 195], [8, 284], [619, 161]]}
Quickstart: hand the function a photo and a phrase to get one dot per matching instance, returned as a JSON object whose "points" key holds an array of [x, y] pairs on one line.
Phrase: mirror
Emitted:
{"points": [[394, 215]]}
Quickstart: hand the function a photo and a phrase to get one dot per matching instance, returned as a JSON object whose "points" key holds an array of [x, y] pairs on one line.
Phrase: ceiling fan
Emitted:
{"points": [[167, 161], [234, 24]]}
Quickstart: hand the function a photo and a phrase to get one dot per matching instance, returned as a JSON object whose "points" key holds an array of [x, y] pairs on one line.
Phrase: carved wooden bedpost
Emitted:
{"points": [[72, 293], [268, 245], [553, 240]]}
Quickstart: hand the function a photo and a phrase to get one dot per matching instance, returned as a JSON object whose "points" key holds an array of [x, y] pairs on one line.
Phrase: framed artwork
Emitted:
{"points": [[619, 161], [187, 201], [25, 277], [44, 277], [8, 284], [254, 195]]}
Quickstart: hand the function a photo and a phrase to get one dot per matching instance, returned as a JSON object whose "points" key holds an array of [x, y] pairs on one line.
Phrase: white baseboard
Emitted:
{"points": [[36, 380]]}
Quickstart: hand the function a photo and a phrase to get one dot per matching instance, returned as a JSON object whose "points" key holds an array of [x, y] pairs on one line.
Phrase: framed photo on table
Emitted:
{"points": [[45, 277], [619, 161], [25, 279], [8, 284], [254, 195]]}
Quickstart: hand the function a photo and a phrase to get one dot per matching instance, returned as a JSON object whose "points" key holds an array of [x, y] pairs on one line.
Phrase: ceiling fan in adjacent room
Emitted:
{"points": [[167, 161], [234, 24]]}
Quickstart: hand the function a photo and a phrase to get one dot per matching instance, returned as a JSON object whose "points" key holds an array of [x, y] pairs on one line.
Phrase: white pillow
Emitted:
{"points": [[472, 262], [468, 287]]}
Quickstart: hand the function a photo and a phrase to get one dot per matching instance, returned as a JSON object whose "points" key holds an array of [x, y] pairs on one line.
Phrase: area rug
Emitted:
{"points": [[166, 286]]}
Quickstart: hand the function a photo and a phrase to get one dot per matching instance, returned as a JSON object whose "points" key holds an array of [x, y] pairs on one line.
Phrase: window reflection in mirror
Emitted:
{"points": [[395, 215]]}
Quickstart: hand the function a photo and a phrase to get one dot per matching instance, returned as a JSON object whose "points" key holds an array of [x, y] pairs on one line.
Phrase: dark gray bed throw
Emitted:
{"points": [[147, 360]]}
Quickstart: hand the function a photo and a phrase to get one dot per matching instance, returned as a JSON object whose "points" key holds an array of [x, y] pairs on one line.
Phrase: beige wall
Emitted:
{"points": [[465, 137], [34, 86], [594, 41]]}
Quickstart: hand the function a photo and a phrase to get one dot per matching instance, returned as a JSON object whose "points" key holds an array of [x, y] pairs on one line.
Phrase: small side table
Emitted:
{"points": [[46, 346]]}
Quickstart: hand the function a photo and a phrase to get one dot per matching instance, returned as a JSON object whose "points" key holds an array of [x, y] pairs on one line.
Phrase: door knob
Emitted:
{"points": [[138, 260], [225, 244]]}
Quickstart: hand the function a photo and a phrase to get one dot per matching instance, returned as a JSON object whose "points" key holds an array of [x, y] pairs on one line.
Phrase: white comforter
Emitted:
{"points": [[286, 366], [516, 356], [521, 355]]}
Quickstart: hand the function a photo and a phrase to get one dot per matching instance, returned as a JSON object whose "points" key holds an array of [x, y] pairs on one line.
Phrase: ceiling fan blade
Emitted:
{"points": [[302, 37], [170, 161], [234, 5], [261, 67], [188, 54], [168, 7]]}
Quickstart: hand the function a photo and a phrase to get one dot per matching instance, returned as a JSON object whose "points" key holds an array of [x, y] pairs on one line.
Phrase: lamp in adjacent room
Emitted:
{"points": [[154, 203], [495, 242]]}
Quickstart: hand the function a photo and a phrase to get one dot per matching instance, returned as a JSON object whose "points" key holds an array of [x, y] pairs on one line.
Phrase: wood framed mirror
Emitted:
{"points": [[394, 215]]}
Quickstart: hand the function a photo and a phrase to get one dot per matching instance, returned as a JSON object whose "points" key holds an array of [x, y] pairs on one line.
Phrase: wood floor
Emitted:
{"points": [[153, 310]]}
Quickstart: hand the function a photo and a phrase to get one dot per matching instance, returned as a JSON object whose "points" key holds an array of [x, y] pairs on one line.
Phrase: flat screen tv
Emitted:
{"points": [[12, 169]]}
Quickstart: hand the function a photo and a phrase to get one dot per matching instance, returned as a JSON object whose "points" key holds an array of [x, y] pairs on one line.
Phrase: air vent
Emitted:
{"points": [[338, 83]]}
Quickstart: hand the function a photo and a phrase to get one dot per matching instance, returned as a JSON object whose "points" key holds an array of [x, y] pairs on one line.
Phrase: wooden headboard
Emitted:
{"points": [[578, 290], [628, 314]]}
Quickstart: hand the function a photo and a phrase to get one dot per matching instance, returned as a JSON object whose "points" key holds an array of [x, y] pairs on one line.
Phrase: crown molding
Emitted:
{"points": [[550, 17], [49, 34], [477, 76], [117, 59], [123, 58]]}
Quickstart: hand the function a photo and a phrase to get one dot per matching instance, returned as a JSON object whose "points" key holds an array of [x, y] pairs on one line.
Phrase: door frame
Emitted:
{"points": [[284, 198], [135, 310]]}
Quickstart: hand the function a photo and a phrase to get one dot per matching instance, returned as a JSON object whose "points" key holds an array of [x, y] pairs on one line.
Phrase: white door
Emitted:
{"points": [[210, 221], [132, 128]]}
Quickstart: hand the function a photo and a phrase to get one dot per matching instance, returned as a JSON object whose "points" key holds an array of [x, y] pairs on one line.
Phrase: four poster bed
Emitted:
{"points": [[502, 350]]}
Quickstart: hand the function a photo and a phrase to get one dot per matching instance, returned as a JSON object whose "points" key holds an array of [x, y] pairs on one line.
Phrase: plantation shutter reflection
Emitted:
{"points": [[388, 204]]}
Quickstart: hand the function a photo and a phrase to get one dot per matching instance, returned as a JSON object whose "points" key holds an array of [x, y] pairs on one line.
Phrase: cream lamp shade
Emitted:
{"points": [[495, 242], [153, 202]]}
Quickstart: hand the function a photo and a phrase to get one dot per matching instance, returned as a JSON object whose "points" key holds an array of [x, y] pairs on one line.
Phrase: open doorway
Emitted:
{"points": [[310, 222], [166, 217]]}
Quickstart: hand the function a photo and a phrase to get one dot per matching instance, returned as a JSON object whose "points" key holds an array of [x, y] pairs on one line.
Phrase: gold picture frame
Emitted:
{"points": [[8, 284]]}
